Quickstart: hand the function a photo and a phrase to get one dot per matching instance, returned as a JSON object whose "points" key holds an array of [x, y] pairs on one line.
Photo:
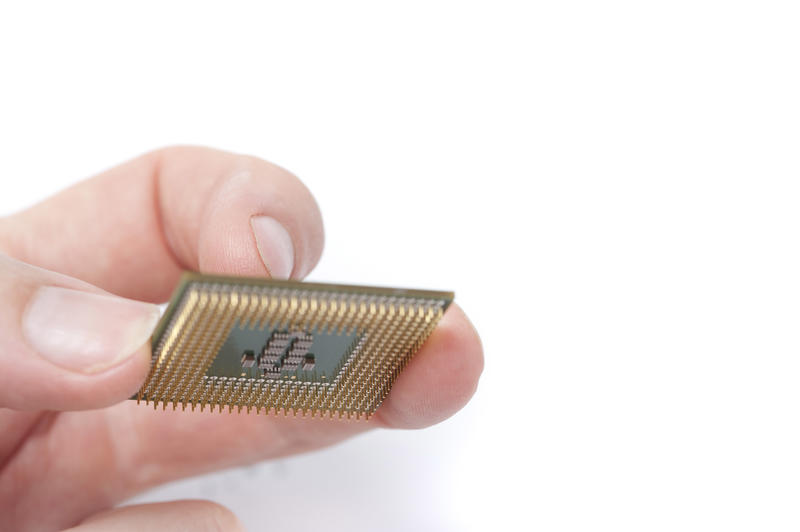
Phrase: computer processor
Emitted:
{"points": [[288, 347]]}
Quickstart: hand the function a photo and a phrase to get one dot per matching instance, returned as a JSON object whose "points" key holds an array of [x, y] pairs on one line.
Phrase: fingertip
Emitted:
{"points": [[74, 391], [258, 220], [440, 379], [83, 331]]}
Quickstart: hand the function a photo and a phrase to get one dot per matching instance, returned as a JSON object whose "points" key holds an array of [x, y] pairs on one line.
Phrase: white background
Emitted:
{"points": [[609, 187]]}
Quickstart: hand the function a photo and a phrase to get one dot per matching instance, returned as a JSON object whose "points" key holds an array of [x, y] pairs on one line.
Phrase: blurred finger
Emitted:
{"points": [[175, 516]]}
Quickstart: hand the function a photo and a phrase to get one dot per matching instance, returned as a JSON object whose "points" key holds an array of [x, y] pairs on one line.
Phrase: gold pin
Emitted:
{"points": [[340, 348]]}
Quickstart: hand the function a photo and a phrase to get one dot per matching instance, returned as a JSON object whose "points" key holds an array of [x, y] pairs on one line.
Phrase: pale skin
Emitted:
{"points": [[71, 446]]}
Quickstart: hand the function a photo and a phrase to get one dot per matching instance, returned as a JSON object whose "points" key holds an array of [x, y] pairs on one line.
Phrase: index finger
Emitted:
{"points": [[132, 229]]}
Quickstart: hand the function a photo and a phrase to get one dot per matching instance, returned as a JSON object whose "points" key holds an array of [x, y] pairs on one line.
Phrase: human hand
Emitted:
{"points": [[71, 354]]}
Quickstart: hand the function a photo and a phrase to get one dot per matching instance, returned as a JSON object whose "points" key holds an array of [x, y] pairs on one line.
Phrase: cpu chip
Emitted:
{"points": [[285, 346]]}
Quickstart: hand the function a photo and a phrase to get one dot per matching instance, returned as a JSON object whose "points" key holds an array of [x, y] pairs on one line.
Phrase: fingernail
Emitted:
{"points": [[86, 332], [274, 245]]}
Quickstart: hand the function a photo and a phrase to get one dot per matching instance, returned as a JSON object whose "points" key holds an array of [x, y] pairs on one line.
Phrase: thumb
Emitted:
{"points": [[67, 345]]}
